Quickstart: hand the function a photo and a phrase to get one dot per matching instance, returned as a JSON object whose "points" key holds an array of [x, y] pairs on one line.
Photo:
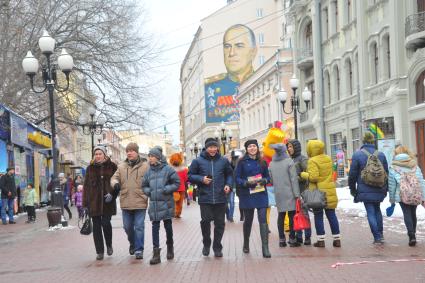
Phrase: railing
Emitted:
{"points": [[303, 53], [415, 23]]}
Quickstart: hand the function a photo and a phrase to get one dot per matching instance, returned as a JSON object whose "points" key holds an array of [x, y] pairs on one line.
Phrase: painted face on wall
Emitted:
{"points": [[239, 51]]}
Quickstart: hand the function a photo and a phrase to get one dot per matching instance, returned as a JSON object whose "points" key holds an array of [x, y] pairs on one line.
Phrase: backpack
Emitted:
{"points": [[410, 187], [374, 173]]}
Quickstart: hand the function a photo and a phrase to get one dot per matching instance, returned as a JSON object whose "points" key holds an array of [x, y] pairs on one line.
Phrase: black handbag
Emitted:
{"points": [[87, 226], [314, 199]]}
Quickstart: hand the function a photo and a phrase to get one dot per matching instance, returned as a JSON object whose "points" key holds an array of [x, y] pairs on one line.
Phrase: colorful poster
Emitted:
{"points": [[239, 51], [19, 130]]}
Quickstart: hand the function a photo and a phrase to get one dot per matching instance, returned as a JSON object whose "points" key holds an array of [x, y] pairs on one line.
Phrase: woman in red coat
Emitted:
{"points": [[176, 161]]}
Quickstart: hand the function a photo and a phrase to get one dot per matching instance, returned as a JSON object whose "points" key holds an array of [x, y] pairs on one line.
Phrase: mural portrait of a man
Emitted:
{"points": [[239, 51]]}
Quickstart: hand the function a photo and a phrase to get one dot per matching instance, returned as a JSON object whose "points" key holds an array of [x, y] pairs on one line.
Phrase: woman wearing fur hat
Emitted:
{"points": [[176, 161], [251, 176], [99, 199], [159, 183]]}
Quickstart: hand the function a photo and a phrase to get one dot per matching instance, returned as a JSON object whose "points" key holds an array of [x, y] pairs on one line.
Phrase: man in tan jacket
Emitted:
{"points": [[128, 181]]}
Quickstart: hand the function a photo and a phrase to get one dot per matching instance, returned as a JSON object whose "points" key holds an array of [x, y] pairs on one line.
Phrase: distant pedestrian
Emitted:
{"points": [[99, 198], [128, 180], [300, 161], [176, 161], [406, 186], [79, 201], [214, 177], [370, 187], [285, 182], [66, 190], [8, 195], [251, 176], [230, 208], [319, 175], [30, 202], [159, 184]]}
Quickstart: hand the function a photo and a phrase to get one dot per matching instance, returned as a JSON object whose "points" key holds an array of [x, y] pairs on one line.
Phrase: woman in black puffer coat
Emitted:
{"points": [[159, 184]]}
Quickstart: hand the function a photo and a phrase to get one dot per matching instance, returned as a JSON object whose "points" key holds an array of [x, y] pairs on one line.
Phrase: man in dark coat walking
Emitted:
{"points": [[214, 177], [8, 195]]}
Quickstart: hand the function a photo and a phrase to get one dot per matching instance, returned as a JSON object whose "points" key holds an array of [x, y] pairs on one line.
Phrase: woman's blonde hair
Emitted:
{"points": [[403, 149]]}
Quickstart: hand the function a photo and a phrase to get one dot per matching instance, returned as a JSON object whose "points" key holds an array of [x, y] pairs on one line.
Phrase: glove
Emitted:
{"points": [[304, 175], [108, 198], [262, 181], [117, 187], [353, 192]]}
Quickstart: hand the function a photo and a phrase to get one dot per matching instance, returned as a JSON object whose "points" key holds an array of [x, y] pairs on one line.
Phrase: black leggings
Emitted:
{"points": [[102, 223], [281, 221]]}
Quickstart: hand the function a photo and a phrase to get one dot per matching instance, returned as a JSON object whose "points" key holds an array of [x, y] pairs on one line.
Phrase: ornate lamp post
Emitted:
{"points": [[92, 126], [50, 83], [295, 101], [223, 136]]}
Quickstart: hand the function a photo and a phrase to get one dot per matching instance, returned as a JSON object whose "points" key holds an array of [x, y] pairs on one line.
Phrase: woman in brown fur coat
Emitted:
{"points": [[99, 198]]}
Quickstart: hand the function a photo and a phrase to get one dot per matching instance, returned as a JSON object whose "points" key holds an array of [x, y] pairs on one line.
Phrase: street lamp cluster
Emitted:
{"points": [[226, 138], [295, 101], [194, 148], [92, 126], [50, 83]]}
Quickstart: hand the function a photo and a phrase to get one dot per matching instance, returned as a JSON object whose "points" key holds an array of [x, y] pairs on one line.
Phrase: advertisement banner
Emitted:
{"points": [[4, 124], [387, 147], [19, 130], [3, 156]]}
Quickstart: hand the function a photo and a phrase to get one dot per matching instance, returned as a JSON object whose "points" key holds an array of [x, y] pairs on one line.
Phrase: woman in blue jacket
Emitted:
{"points": [[403, 163], [251, 177]]}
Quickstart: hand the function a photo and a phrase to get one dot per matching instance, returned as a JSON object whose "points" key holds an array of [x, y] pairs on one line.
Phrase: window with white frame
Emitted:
{"points": [[355, 138]]}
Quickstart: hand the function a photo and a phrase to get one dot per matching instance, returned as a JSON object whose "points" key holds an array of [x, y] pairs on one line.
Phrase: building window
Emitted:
{"points": [[349, 76], [387, 56], [261, 38], [328, 87], [349, 15], [261, 59], [420, 89], [337, 83], [336, 16], [421, 5], [259, 13], [310, 86], [374, 61], [336, 144], [325, 23], [308, 37], [269, 120], [355, 137]]}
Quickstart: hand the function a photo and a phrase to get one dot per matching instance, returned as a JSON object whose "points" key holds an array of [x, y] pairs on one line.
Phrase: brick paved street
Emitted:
{"points": [[30, 253]]}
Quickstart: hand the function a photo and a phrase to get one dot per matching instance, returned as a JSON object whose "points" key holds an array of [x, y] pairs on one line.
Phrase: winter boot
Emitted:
{"points": [[307, 241], [282, 242], [265, 239], [156, 256], [293, 243], [412, 239], [99, 257], [170, 251], [109, 250], [246, 234], [320, 242], [337, 241]]}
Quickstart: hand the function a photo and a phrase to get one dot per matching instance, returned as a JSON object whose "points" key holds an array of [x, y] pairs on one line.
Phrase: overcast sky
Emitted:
{"points": [[175, 22]]}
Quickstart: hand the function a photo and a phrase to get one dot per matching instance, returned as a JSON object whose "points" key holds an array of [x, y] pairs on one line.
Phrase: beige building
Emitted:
{"points": [[203, 69], [372, 57], [112, 141]]}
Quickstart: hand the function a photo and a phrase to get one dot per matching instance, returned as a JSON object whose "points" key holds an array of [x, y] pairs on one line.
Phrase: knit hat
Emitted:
{"points": [[156, 151], [280, 151], [132, 146], [101, 148], [211, 142], [249, 142], [368, 138]]}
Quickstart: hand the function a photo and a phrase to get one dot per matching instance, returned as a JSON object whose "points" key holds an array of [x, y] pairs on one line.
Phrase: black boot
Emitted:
{"points": [[264, 232], [412, 239], [156, 256], [170, 251], [246, 234]]}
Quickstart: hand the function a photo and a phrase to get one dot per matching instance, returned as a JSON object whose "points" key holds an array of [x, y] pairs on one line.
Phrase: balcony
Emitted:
{"points": [[304, 58], [415, 31]]}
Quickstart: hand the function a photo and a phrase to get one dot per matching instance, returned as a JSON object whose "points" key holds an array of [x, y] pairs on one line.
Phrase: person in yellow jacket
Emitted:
{"points": [[319, 175]]}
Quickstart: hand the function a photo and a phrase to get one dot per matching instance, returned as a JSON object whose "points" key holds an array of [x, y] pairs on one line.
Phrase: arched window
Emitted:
{"points": [[374, 61], [308, 37], [328, 88], [337, 83], [349, 76], [348, 11], [387, 56], [420, 89]]}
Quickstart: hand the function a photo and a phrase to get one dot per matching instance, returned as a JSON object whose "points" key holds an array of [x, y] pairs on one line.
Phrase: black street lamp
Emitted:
{"points": [[50, 83], [92, 126], [223, 136], [295, 101]]}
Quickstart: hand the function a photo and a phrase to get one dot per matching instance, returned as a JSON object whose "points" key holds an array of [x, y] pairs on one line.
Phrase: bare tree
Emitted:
{"points": [[111, 51]]}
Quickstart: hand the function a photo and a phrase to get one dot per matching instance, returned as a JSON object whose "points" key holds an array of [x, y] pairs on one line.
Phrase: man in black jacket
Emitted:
{"points": [[8, 194], [214, 177]]}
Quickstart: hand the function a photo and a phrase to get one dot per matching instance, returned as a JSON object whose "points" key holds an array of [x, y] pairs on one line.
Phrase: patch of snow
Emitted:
{"points": [[59, 227]]}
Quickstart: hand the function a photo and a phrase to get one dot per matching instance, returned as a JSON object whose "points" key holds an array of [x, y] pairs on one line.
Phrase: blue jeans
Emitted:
{"points": [[134, 226], [409, 215], [374, 217], [7, 203], [168, 225], [319, 224], [230, 208]]}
